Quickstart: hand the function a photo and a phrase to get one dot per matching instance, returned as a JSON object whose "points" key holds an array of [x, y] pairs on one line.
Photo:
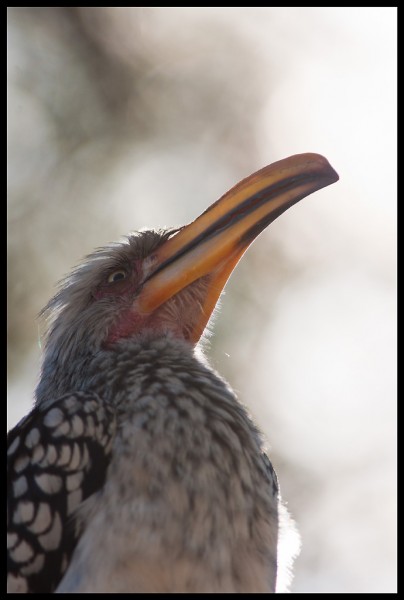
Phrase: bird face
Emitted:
{"points": [[169, 281], [124, 282]]}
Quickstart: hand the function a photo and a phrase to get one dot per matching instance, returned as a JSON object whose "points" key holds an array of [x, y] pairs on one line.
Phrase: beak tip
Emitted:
{"points": [[320, 164]]}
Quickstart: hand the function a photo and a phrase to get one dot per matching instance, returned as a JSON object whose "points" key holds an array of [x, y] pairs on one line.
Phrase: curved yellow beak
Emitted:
{"points": [[214, 243]]}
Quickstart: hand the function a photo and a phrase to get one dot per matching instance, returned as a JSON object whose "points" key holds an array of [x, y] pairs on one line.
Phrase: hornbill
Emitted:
{"points": [[138, 470]]}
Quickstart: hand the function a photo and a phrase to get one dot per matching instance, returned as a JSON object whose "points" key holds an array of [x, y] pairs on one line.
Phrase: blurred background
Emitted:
{"points": [[121, 118]]}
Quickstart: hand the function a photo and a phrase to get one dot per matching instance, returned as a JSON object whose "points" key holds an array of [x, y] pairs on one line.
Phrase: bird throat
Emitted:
{"points": [[179, 316]]}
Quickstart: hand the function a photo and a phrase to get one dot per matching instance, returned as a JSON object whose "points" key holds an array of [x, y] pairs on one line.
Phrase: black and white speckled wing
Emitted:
{"points": [[57, 457]]}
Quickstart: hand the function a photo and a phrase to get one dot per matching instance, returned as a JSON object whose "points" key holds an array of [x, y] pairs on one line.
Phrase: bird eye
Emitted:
{"points": [[117, 276]]}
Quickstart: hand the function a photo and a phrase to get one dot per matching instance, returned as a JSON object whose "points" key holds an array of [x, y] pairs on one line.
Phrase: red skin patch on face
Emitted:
{"points": [[123, 291], [129, 323]]}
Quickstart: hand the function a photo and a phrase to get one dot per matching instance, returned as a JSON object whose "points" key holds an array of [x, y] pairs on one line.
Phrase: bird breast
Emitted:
{"points": [[188, 475]]}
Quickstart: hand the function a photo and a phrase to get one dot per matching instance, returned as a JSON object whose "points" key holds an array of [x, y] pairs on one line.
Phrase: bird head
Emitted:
{"points": [[169, 281]]}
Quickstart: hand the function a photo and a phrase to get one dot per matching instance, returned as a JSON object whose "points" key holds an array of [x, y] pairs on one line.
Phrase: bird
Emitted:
{"points": [[138, 469]]}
